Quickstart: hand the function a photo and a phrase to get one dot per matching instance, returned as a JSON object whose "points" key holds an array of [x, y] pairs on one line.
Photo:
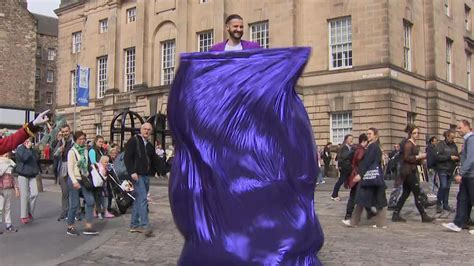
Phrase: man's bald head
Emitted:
{"points": [[145, 130]]}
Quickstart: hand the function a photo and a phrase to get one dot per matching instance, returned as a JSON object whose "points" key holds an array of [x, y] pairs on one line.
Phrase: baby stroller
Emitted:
{"points": [[122, 196]]}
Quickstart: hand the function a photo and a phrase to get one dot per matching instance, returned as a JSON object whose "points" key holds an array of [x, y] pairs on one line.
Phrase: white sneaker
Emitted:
{"points": [[336, 198], [347, 223], [383, 227], [323, 182], [471, 232], [432, 196], [452, 227]]}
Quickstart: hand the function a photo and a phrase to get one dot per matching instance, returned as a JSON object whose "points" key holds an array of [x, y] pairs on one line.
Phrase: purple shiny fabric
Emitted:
{"points": [[244, 172]]}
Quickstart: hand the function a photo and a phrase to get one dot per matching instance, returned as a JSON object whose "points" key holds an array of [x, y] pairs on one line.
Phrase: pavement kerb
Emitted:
{"points": [[113, 226]]}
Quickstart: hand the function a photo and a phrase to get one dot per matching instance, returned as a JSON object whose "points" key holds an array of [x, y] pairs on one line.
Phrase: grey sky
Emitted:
{"points": [[44, 7]]}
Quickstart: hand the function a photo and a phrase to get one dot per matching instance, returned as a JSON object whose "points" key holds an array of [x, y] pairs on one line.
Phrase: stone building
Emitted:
{"points": [[17, 63], [374, 62], [46, 49]]}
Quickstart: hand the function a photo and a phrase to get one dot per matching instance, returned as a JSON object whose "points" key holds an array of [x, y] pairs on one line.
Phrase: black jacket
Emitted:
{"points": [[326, 156], [27, 162], [345, 158], [443, 154], [372, 156], [140, 159]]}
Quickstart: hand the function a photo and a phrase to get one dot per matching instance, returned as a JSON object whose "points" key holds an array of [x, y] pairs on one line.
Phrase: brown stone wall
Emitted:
{"points": [[45, 42], [375, 89], [17, 56]]}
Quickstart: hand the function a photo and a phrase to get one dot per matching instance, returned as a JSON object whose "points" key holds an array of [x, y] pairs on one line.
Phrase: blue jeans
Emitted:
{"points": [[74, 202], [445, 181], [344, 174], [465, 200], [140, 205], [320, 176]]}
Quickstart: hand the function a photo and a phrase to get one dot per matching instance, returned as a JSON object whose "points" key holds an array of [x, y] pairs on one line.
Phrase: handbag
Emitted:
{"points": [[86, 180], [97, 179], [373, 177]]}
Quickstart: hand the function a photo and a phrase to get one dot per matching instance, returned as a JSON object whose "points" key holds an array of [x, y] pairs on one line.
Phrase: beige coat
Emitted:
{"points": [[72, 168]]}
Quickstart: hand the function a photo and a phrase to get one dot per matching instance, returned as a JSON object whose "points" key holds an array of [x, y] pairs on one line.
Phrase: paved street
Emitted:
{"points": [[44, 241], [412, 243]]}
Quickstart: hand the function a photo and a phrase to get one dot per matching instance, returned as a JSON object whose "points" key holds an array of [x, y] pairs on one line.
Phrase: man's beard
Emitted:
{"points": [[236, 35]]}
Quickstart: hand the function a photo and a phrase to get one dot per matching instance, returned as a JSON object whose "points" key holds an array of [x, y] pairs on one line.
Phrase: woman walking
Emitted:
{"points": [[371, 195], [95, 154], [8, 190], [327, 159], [358, 155], [27, 169], [77, 168], [411, 183]]}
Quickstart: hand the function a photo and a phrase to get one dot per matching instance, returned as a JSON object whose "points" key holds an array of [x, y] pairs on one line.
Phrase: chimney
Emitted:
{"points": [[24, 3]]}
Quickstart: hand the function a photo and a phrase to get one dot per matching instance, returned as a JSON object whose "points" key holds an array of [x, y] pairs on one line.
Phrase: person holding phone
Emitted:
{"points": [[411, 157]]}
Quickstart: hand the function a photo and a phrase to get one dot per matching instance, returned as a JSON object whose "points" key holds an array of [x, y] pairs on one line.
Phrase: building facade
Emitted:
{"points": [[17, 64], [374, 63], [46, 49]]}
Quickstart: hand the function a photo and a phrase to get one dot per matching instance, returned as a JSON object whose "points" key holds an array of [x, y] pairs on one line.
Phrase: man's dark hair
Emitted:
{"points": [[65, 126], [466, 123], [346, 137], [362, 138], [231, 17], [448, 132]]}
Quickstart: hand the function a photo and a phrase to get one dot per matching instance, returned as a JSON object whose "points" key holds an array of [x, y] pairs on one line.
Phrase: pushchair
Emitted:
{"points": [[123, 198]]}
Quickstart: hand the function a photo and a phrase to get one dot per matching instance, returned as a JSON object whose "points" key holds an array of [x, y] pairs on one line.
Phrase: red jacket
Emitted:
{"points": [[10, 143], [358, 155]]}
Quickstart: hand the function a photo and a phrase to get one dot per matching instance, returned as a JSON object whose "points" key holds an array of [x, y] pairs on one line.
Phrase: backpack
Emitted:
{"points": [[120, 168]]}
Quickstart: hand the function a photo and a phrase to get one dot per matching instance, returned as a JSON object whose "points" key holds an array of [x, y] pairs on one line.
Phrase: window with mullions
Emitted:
{"points": [[259, 33], [50, 76], [167, 61], [468, 70], [129, 68], [407, 45], [49, 98], [101, 76], [103, 25], [76, 42], [340, 43], [341, 125], [205, 40], [131, 15], [449, 58]]}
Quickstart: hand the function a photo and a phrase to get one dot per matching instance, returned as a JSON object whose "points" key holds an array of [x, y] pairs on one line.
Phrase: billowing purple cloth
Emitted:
{"points": [[244, 172]]}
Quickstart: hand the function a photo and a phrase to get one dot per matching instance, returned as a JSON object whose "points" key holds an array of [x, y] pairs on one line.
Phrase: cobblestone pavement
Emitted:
{"points": [[413, 243]]}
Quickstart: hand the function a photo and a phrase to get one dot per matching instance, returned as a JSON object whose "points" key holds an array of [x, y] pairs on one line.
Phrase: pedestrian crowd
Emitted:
{"points": [[364, 167], [87, 175]]}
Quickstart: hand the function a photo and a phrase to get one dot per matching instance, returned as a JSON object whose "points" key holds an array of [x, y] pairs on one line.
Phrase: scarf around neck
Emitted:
{"points": [[81, 162]]}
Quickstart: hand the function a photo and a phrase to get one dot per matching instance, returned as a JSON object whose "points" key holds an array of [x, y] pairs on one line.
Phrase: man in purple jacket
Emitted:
{"points": [[234, 25]]}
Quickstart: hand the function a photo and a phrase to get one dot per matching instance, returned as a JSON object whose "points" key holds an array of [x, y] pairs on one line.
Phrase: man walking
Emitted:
{"points": [[141, 162], [61, 147], [466, 178], [447, 156], [234, 24], [345, 165]]}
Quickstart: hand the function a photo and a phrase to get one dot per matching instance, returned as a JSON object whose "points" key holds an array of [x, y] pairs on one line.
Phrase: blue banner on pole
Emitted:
{"points": [[83, 74]]}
